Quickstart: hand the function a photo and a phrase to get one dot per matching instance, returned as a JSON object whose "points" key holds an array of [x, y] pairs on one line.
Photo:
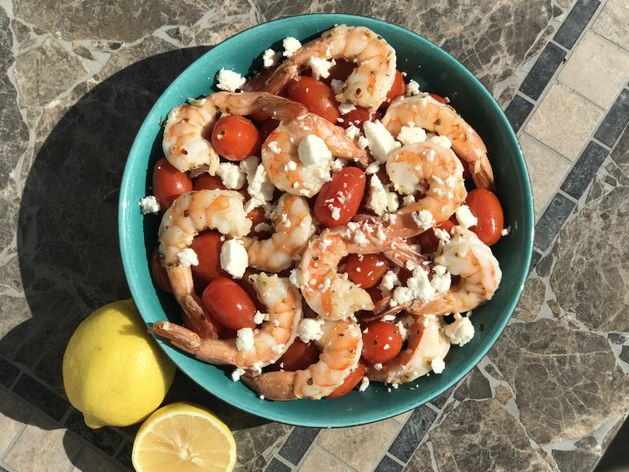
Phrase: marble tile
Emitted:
{"points": [[542, 71], [620, 155], [575, 460], [412, 433], [387, 464], [583, 172], [613, 22], [298, 443], [594, 58], [42, 447], [575, 22], [442, 398], [89, 460], [546, 170], [552, 220], [518, 111], [360, 447], [535, 257], [421, 461], [258, 444], [14, 413], [564, 121], [475, 386], [531, 300], [319, 461], [403, 418], [615, 121]]}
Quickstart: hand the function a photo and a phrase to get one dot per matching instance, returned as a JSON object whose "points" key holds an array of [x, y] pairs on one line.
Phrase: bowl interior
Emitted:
{"points": [[435, 71]]}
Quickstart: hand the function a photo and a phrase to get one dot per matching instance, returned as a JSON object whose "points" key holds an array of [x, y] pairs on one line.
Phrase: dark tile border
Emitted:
{"points": [[277, 466], [616, 120], [584, 170], [518, 111], [552, 220], [387, 464], [542, 71], [575, 23], [8, 373], [298, 443], [40, 396], [412, 433], [535, 258], [104, 439]]}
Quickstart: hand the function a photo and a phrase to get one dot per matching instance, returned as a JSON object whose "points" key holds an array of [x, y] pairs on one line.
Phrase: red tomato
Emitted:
{"points": [[486, 207], [381, 342], [357, 117], [344, 192], [266, 128], [398, 88], [208, 182], [158, 273], [317, 96], [428, 241], [229, 304], [366, 270], [350, 382], [439, 98], [235, 138], [298, 356], [340, 70], [169, 183], [208, 249]]}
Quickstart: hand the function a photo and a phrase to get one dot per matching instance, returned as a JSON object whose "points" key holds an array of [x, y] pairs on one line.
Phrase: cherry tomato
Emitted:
{"points": [[298, 356], [208, 248], [205, 326], [350, 382], [235, 138], [208, 182], [439, 98], [428, 241], [339, 199], [266, 128], [158, 273], [169, 183], [357, 117], [316, 95], [366, 270], [381, 342], [486, 207], [398, 88], [228, 303], [340, 70]]}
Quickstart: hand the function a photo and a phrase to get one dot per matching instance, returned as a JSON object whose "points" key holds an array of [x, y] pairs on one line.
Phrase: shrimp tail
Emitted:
{"points": [[195, 318], [278, 386], [402, 254], [278, 80], [482, 173], [180, 337]]}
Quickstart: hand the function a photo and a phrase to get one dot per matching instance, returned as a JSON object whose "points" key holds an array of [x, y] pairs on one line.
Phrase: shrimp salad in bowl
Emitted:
{"points": [[324, 223]]}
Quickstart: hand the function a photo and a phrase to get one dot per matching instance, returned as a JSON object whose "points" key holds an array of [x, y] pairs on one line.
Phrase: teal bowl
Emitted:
{"points": [[436, 71]]}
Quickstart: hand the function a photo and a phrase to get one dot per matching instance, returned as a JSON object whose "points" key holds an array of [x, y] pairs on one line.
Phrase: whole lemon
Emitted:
{"points": [[113, 371]]}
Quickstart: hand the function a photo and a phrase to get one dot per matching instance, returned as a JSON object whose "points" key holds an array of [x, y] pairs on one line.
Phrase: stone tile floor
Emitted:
{"points": [[549, 396]]}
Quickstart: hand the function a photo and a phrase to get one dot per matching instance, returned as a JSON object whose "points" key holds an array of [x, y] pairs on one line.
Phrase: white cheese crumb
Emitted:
{"points": [[412, 88], [187, 257], [290, 165], [442, 141], [364, 383], [270, 58], [465, 217], [313, 152], [337, 86], [148, 205], [437, 365], [259, 184], [381, 143], [402, 329], [231, 175], [291, 45], [295, 278], [410, 134], [309, 329], [229, 80], [261, 397], [320, 67], [441, 279], [377, 200], [237, 373], [335, 213], [234, 258], [389, 281], [362, 142], [393, 202], [257, 367], [442, 235], [408, 200], [506, 231], [259, 317], [278, 348], [423, 219], [460, 331], [377, 366], [274, 148], [360, 238], [372, 168], [418, 287], [337, 164], [345, 108], [244, 339], [352, 131]]}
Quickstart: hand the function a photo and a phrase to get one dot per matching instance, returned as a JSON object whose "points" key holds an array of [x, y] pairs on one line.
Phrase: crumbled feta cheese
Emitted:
{"points": [[377, 366], [418, 287], [260, 185], [386, 347], [388, 318], [393, 201], [290, 165], [274, 148], [234, 258], [148, 205], [270, 58], [337, 86], [460, 331], [423, 219], [389, 281], [402, 330], [295, 278], [437, 365], [337, 164], [278, 348], [360, 238], [381, 143], [244, 339], [364, 383], [465, 217], [506, 231], [408, 200], [441, 235], [352, 131], [291, 45], [442, 141], [377, 200], [441, 279], [345, 108], [231, 175], [260, 318], [187, 257], [257, 367], [412, 88], [309, 329], [362, 142], [229, 80], [313, 152], [320, 67], [237, 373], [261, 397], [372, 168], [411, 134], [335, 212]]}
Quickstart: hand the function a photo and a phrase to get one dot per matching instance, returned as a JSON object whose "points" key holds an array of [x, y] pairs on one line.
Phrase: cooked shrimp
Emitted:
{"points": [[426, 112], [270, 341], [425, 343], [430, 167], [367, 85], [293, 228], [340, 344], [189, 214], [188, 128], [330, 294], [281, 158]]}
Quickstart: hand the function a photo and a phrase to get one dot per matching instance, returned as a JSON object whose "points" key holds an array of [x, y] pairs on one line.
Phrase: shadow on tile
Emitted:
{"points": [[67, 237]]}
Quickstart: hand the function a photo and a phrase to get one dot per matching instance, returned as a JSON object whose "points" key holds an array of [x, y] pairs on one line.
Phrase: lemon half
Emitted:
{"points": [[185, 438]]}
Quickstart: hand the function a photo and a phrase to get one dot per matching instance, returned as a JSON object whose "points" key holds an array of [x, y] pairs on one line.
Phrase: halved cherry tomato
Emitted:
{"points": [[398, 88], [428, 241], [339, 199], [208, 182], [235, 138], [366, 270], [439, 98], [357, 117], [169, 183], [316, 95], [298, 356], [158, 273], [340, 70], [266, 128], [381, 342], [208, 248], [350, 382], [486, 207], [228, 303]]}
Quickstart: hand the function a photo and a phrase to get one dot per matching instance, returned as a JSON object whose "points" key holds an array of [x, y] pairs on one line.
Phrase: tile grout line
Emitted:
{"points": [[13, 442], [390, 443], [606, 39], [283, 461], [338, 459]]}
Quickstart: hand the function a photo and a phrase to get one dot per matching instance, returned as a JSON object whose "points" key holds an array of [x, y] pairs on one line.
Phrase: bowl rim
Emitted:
{"points": [[124, 236]]}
